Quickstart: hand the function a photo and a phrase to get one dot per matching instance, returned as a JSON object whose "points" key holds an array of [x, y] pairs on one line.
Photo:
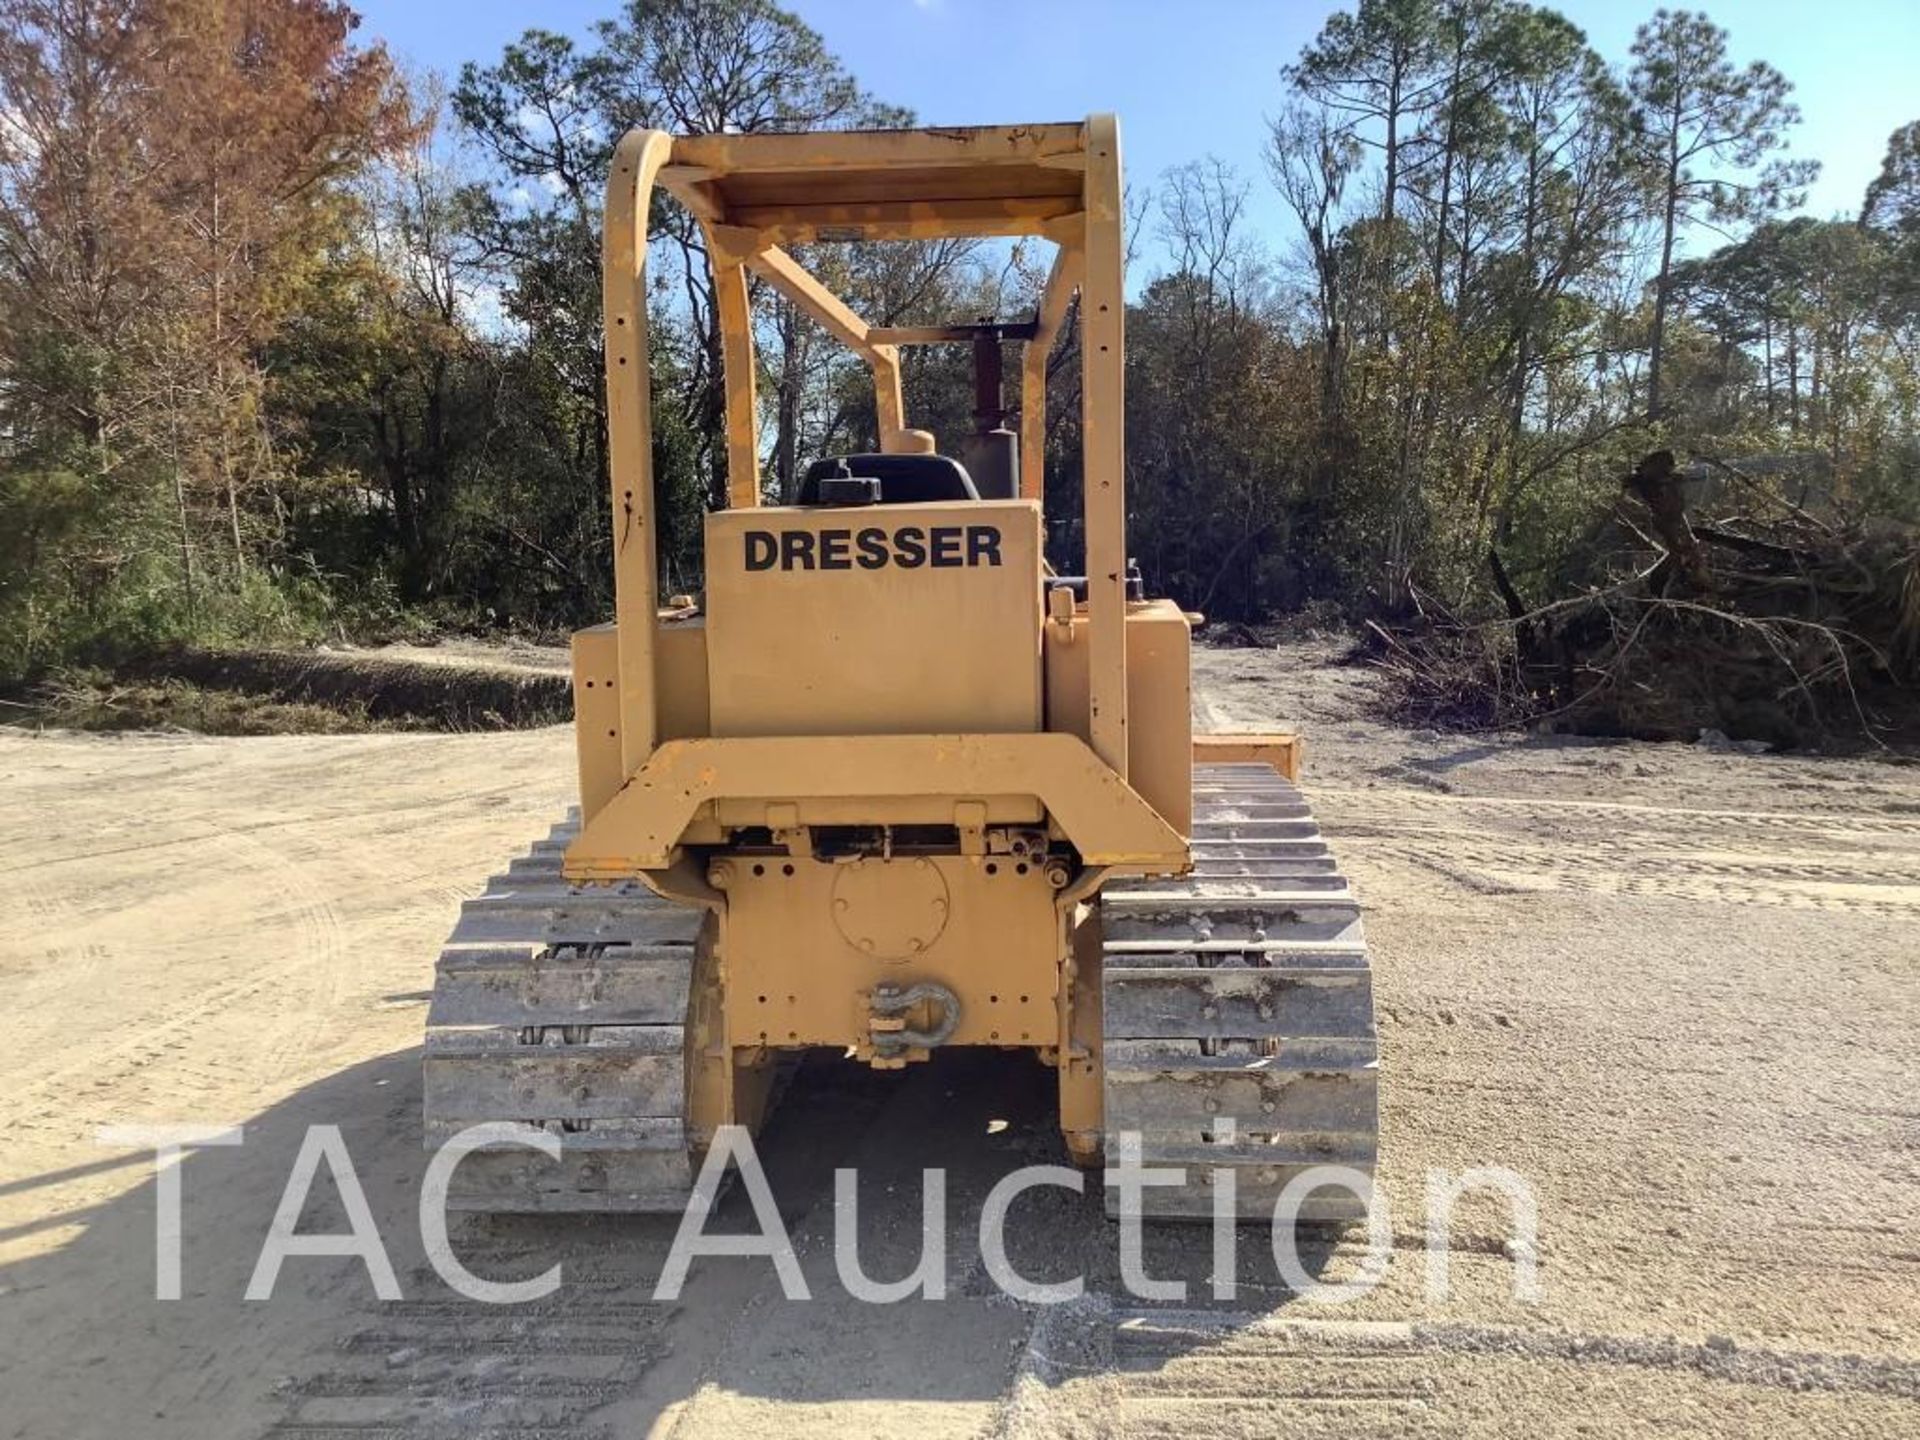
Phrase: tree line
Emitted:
{"points": [[293, 344]]}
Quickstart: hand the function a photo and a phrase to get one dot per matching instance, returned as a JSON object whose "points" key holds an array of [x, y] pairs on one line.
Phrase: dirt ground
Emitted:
{"points": [[1677, 991]]}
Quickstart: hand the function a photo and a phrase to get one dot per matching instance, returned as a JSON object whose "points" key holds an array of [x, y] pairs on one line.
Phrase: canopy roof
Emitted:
{"points": [[885, 184]]}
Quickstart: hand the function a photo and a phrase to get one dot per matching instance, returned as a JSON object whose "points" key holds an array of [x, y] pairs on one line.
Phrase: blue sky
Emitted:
{"points": [[1197, 77]]}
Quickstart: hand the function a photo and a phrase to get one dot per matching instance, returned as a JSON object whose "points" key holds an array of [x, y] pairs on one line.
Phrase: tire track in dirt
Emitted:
{"points": [[1689, 820], [1150, 1373], [286, 985], [1840, 864], [438, 1366], [308, 983], [217, 827]]}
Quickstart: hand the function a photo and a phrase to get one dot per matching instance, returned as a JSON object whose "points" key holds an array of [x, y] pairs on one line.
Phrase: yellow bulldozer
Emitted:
{"points": [[891, 784]]}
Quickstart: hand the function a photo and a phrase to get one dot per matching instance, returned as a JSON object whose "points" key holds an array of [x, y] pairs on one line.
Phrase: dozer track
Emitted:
{"points": [[565, 1007], [1241, 992]]}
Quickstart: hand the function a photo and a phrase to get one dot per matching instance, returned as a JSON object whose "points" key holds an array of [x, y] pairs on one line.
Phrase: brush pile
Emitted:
{"points": [[1770, 624]]}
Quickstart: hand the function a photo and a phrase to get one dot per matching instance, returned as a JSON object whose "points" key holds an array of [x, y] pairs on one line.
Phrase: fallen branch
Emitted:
{"points": [[1772, 625]]}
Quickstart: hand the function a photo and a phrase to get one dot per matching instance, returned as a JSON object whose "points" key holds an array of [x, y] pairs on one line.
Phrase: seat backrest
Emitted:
{"points": [[904, 479]]}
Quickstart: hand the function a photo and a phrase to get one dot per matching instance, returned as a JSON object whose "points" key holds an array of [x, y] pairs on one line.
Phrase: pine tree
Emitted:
{"points": [[1702, 123]]}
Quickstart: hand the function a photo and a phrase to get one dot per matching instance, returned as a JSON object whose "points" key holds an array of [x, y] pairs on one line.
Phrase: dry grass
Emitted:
{"points": [[275, 692]]}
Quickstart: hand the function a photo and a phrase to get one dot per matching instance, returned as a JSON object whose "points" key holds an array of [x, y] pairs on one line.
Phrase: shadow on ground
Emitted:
{"points": [[95, 1353]]}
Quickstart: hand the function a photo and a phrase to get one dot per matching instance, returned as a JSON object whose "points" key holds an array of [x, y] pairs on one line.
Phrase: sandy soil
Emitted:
{"points": [[1678, 992]]}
